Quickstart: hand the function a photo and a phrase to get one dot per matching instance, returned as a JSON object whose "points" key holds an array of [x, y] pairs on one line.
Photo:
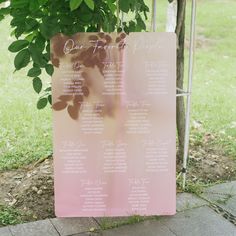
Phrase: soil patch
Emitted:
{"points": [[208, 162], [29, 190]]}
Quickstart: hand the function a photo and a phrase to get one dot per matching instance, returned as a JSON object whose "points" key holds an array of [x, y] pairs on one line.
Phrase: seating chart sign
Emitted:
{"points": [[114, 115]]}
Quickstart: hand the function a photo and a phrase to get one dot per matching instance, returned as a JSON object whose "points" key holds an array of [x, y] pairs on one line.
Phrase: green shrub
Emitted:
{"points": [[35, 22]]}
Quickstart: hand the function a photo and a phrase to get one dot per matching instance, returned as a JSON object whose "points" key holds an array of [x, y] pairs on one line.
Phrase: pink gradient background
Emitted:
{"points": [[162, 186]]}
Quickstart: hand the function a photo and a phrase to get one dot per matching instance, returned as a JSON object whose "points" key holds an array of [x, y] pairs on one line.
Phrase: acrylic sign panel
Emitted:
{"points": [[114, 124]]}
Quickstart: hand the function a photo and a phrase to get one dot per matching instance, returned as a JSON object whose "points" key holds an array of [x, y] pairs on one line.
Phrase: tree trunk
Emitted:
{"points": [[180, 116]]}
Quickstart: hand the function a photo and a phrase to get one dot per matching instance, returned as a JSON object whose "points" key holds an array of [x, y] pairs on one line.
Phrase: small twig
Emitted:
{"points": [[42, 159]]}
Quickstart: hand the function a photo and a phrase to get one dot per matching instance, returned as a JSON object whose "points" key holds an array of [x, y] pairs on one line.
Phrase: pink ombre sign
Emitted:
{"points": [[114, 124]]}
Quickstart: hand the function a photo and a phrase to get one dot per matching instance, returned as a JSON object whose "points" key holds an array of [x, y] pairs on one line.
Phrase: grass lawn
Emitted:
{"points": [[25, 132], [214, 88]]}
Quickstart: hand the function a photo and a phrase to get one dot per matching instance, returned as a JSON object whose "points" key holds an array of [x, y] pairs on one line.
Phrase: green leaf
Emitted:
{"points": [[111, 6], [49, 69], [34, 5], [74, 4], [5, 11], [50, 99], [132, 26], [16, 21], [22, 59], [140, 23], [18, 45], [42, 2], [90, 4], [42, 103], [124, 5], [34, 72], [37, 55], [40, 42], [19, 3], [30, 37], [31, 24], [37, 84], [48, 89], [66, 20], [87, 15], [50, 26], [19, 30]]}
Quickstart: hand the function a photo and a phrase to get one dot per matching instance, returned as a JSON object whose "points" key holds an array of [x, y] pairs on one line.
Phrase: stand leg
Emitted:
{"points": [[190, 78]]}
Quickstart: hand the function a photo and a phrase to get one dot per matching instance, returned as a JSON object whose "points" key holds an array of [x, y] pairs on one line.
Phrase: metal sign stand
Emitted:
{"points": [[189, 91], [181, 92]]}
